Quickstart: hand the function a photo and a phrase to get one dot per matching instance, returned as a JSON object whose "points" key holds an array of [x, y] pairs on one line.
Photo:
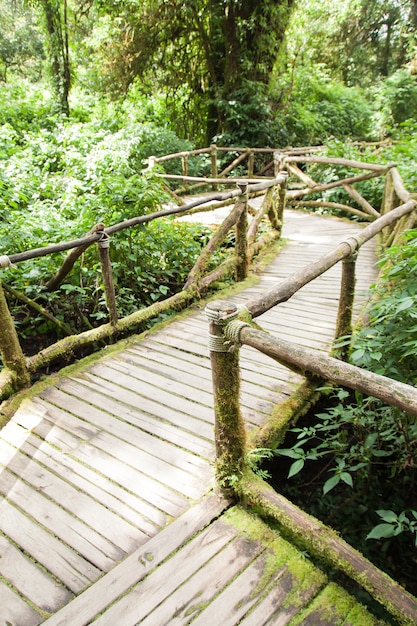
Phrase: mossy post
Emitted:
{"points": [[344, 313], [213, 158], [184, 162], [10, 349], [242, 263], [279, 162], [106, 269], [251, 163], [281, 201], [229, 429]]}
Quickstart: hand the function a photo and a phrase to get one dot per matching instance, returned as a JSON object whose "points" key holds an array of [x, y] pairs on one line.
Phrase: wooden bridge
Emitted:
{"points": [[110, 513]]}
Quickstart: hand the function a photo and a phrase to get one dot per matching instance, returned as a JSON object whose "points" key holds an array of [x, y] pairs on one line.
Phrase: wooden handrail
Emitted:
{"points": [[246, 244], [292, 284], [17, 369]]}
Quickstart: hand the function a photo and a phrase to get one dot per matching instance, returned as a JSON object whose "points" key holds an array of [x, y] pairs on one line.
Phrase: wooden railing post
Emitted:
{"points": [[278, 202], [10, 348], [251, 163], [345, 309], [281, 200], [213, 157], [229, 429], [106, 269], [242, 263], [184, 162], [278, 162], [151, 162]]}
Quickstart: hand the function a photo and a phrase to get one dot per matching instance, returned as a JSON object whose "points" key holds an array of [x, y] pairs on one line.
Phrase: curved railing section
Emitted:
{"points": [[276, 174]]}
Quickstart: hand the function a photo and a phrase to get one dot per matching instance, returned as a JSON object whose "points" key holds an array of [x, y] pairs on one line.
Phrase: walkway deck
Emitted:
{"points": [[106, 478]]}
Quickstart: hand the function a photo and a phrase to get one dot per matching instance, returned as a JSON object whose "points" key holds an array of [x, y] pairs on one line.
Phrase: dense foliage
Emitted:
{"points": [[88, 90], [58, 179], [353, 461]]}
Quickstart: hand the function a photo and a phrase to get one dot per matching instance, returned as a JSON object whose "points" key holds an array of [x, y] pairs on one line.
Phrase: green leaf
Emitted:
{"points": [[387, 516], [381, 531], [370, 440], [406, 303], [347, 478], [296, 467], [357, 355], [292, 454], [331, 483]]}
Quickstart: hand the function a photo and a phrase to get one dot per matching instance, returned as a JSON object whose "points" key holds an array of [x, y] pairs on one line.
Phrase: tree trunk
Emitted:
{"points": [[57, 31]]}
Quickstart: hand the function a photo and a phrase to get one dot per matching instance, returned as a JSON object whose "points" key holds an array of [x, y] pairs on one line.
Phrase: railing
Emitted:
{"points": [[18, 369], [268, 177], [231, 327]]}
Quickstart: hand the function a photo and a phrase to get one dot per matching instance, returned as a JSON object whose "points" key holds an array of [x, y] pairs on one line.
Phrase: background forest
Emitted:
{"points": [[90, 88]]}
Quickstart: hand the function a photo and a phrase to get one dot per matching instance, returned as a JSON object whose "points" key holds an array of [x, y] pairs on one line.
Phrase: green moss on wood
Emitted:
{"points": [[271, 434], [333, 605], [283, 553], [325, 545]]}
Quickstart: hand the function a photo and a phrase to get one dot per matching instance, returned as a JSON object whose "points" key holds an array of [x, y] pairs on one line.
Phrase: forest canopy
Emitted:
{"points": [[227, 71]]}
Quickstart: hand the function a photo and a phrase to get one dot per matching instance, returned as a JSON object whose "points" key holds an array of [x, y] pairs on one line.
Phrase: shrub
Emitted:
{"points": [[319, 110], [398, 95]]}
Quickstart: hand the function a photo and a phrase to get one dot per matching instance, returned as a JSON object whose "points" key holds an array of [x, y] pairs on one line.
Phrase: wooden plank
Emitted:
{"points": [[150, 464], [69, 567], [13, 610], [287, 309], [171, 400], [189, 599], [256, 385], [242, 594], [158, 351], [145, 444], [127, 431], [199, 447], [121, 502], [197, 394], [29, 580], [200, 367], [283, 601], [119, 532], [145, 487], [149, 405], [173, 385], [141, 600], [82, 538], [248, 400], [138, 565]]}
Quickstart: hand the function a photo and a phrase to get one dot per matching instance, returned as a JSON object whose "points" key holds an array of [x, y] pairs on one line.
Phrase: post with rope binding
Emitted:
{"points": [[10, 348], [241, 247], [213, 159], [103, 247], [229, 429], [346, 298]]}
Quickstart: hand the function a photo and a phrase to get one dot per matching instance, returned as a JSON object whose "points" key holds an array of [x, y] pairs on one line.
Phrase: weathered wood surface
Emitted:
{"points": [[95, 467]]}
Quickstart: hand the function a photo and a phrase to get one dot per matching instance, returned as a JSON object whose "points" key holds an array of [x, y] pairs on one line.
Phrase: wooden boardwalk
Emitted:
{"points": [[107, 510]]}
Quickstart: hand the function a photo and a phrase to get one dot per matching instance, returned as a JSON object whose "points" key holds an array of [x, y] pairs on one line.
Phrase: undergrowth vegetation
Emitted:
{"points": [[60, 178], [353, 463]]}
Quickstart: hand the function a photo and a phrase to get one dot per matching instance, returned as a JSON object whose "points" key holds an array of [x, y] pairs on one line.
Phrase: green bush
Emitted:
{"points": [[399, 98], [366, 451], [319, 110], [60, 181]]}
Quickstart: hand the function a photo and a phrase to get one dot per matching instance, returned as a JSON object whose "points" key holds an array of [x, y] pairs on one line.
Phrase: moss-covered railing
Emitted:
{"points": [[231, 327], [18, 368], [277, 174]]}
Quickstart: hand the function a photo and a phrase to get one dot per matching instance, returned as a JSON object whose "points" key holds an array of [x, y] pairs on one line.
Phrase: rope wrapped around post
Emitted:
{"points": [[5, 261], [103, 247], [346, 299], [229, 427]]}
